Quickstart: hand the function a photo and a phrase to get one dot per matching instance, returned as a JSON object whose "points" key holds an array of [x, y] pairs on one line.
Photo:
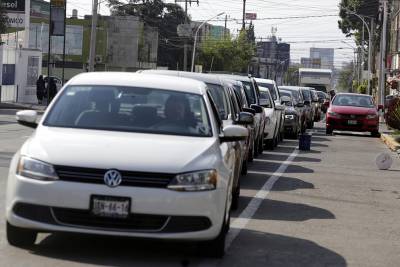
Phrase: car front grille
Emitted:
{"points": [[352, 117], [96, 176], [79, 218]]}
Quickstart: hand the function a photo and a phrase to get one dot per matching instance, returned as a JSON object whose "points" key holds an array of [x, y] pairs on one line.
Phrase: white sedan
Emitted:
{"points": [[272, 113], [125, 155]]}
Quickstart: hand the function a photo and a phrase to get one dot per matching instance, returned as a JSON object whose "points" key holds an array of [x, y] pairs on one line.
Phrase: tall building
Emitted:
{"points": [[326, 55]]}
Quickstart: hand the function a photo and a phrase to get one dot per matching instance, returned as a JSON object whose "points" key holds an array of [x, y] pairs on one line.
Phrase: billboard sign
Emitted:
{"points": [[16, 20], [57, 18], [251, 16], [11, 6]]}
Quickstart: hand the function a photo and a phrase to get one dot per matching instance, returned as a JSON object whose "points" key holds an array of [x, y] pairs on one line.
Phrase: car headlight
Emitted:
{"points": [[372, 116], [194, 181], [289, 117], [36, 169]]}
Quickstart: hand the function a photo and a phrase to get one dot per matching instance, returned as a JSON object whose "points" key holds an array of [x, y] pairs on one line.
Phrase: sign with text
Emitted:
{"points": [[16, 20], [58, 3], [251, 16], [11, 6]]}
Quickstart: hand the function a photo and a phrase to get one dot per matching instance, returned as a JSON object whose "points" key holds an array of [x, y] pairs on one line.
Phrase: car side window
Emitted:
{"points": [[215, 111], [220, 99]]}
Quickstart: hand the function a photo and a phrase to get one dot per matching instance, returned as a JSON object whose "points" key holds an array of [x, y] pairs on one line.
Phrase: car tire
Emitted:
{"points": [[250, 158], [260, 146], [215, 248], [375, 134], [235, 197], [20, 237], [244, 167], [270, 144], [329, 130], [255, 148]]}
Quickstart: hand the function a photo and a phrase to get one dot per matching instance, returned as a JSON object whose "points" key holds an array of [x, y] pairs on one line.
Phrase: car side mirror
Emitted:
{"points": [[233, 133], [300, 104], [380, 107], [279, 107], [257, 108], [27, 118], [250, 110], [245, 118]]}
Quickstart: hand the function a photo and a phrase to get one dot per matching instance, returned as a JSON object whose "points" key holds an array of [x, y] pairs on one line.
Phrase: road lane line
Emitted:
{"points": [[244, 218]]}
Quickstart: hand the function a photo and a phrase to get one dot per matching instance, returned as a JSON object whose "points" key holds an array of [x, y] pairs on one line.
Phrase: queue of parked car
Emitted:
{"points": [[155, 154]]}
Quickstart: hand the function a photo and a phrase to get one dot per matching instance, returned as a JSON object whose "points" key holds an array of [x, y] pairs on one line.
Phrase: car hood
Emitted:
{"points": [[122, 150], [352, 110]]}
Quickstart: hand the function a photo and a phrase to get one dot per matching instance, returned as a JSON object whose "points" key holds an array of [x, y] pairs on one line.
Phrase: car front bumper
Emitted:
{"points": [[362, 125], [60, 206]]}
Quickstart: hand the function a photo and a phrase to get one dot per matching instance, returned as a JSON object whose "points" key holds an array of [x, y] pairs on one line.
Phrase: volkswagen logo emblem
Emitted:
{"points": [[112, 178]]}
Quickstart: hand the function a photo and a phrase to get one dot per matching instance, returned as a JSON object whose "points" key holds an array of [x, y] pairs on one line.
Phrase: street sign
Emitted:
{"points": [[11, 6], [58, 3], [251, 16], [16, 20]]}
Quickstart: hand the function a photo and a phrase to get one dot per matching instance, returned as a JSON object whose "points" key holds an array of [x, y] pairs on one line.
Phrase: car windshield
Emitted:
{"points": [[271, 89], [295, 94], [249, 92], [306, 94], [321, 95], [131, 109], [283, 93], [353, 100]]}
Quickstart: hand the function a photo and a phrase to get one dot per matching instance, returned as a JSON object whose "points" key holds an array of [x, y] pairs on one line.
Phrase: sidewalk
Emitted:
{"points": [[387, 138], [11, 105]]}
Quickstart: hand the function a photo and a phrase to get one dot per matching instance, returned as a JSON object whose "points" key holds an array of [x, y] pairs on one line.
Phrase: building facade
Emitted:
{"points": [[325, 55]]}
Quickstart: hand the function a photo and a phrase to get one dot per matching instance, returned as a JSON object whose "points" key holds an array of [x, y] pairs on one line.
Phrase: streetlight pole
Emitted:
{"points": [[370, 30], [195, 38]]}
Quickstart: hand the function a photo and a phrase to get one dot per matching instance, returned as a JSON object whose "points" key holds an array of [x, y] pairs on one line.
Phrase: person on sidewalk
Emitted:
{"points": [[52, 87], [40, 89]]}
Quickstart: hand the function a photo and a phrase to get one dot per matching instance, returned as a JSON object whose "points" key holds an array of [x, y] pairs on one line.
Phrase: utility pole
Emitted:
{"points": [[382, 70], [244, 15], [362, 53], [370, 47], [225, 29], [185, 45], [93, 36]]}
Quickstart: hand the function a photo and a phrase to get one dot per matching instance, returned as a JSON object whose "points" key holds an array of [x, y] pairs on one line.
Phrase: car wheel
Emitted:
{"points": [[276, 141], [215, 248], [235, 197], [270, 144], [261, 146], [250, 158], [255, 149], [375, 134], [20, 237], [329, 130], [244, 168]]}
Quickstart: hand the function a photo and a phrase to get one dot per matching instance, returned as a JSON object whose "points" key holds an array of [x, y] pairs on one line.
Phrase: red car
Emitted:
{"points": [[352, 112]]}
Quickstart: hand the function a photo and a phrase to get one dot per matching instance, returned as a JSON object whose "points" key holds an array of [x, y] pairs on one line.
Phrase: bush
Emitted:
{"points": [[362, 89], [393, 114]]}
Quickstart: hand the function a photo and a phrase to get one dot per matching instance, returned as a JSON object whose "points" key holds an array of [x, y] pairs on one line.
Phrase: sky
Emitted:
{"points": [[316, 27]]}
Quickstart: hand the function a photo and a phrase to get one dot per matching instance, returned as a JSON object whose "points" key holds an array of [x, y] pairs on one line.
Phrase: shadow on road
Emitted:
{"points": [[287, 211], [259, 249], [262, 165], [277, 157], [289, 184]]}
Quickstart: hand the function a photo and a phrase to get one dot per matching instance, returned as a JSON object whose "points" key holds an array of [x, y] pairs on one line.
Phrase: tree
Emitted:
{"points": [[346, 77], [351, 24], [3, 21], [164, 16], [227, 54]]}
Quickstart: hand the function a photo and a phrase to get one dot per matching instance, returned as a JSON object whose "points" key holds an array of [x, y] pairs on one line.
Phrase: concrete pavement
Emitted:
{"points": [[330, 207]]}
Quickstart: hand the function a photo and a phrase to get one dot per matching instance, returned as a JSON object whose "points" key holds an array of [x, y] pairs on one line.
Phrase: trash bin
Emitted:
{"points": [[305, 142]]}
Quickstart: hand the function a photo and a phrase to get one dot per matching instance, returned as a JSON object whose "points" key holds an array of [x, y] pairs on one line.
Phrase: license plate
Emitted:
{"points": [[352, 122], [114, 207]]}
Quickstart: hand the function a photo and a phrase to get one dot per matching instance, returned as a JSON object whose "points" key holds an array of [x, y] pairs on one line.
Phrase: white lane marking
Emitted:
{"points": [[241, 222]]}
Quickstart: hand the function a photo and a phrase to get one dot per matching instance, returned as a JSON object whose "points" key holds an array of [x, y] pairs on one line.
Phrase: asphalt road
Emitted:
{"points": [[326, 207]]}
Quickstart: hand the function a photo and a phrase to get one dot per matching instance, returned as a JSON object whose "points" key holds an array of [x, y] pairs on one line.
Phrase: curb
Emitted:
{"points": [[390, 142], [21, 106]]}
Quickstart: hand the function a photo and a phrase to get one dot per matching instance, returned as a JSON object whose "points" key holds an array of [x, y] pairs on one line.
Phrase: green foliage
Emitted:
{"points": [[346, 78], [351, 24], [164, 16], [393, 114], [232, 55], [362, 88]]}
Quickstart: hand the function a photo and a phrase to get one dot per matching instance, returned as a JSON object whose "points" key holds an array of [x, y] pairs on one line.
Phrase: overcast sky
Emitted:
{"points": [[301, 33]]}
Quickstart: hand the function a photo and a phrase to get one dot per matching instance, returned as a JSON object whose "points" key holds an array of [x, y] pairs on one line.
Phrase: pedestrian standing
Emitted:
{"points": [[40, 89], [52, 87]]}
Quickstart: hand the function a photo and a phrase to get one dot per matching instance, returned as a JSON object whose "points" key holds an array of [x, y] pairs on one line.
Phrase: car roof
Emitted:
{"points": [[268, 81], [234, 77], [287, 87], [139, 80], [212, 79], [354, 94]]}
